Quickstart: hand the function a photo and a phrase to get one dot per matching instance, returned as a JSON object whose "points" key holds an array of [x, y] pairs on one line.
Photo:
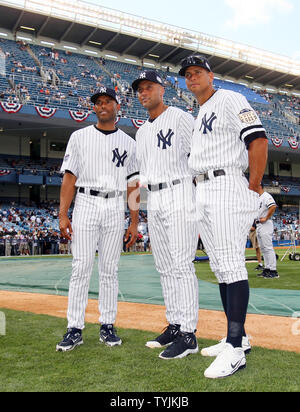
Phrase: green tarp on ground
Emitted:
{"points": [[138, 282]]}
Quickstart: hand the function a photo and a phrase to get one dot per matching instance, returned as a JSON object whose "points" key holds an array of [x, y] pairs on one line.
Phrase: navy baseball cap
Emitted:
{"points": [[150, 75], [106, 91], [194, 60]]}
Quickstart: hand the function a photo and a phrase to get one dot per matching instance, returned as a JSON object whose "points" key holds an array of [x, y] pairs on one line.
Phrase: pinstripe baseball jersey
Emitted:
{"points": [[265, 230], [225, 126], [101, 161], [265, 202], [163, 146]]}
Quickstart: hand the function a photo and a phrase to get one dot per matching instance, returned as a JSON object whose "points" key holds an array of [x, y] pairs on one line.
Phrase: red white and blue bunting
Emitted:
{"points": [[45, 112], [4, 172], [277, 142], [11, 107], [137, 123], [79, 115], [294, 144]]}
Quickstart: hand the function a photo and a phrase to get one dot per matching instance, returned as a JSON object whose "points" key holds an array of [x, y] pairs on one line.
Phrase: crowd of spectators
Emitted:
{"points": [[286, 225], [67, 80], [27, 230]]}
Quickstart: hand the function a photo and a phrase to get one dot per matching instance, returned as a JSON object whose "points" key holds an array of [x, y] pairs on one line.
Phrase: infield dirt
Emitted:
{"points": [[272, 332]]}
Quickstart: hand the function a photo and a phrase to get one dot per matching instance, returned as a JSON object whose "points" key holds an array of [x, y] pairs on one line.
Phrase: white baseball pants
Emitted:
{"points": [[173, 236], [97, 223], [226, 209], [264, 233]]}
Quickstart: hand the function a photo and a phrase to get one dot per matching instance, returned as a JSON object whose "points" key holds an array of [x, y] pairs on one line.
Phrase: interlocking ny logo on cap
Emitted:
{"points": [[143, 75], [103, 90]]}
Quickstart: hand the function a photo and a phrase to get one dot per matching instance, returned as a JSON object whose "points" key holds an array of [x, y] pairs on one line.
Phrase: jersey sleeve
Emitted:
{"points": [[71, 161], [132, 167], [270, 201], [186, 128], [244, 119]]}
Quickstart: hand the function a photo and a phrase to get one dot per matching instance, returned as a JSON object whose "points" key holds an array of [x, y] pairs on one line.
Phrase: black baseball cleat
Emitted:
{"points": [[185, 344], [265, 273], [273, 274], [166, 338], [108, 335], [71, 339], [259, 267]]}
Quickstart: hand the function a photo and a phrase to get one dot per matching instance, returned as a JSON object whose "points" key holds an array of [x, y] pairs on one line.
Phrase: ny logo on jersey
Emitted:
{"points": [[207, 123], [165, 140], [119, 158]]}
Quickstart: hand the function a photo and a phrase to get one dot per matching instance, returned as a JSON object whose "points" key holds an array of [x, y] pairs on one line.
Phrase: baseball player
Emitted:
{"points": [[99, 163], [163, 147], [254, 241], [264, 229], [228, 137]]}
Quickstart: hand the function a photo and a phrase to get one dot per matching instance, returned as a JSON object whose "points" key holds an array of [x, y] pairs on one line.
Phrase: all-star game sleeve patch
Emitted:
{"points": [[248, 116]]}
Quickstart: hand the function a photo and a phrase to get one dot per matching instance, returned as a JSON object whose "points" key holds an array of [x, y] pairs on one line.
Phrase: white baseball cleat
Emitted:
{"points": [[216, 349], [228, 362]]}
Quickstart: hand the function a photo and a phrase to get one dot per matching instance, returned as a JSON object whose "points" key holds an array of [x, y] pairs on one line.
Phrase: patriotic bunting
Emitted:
{"points": [[45, 112], [79, 115], [277, 142], [11, 107], [137, 123], [4, 172], [293, 143]]}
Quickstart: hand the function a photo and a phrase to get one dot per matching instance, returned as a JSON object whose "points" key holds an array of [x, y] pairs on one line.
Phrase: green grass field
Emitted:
{"points": [[29, 363], [288, 270]]}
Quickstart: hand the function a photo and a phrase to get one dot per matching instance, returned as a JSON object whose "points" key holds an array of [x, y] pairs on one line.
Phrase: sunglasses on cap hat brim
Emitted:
{"points": [[193, 61]]}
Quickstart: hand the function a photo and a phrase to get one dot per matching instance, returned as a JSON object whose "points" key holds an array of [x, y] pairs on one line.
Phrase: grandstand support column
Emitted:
{"points": [[19, 193], [35, 194]]}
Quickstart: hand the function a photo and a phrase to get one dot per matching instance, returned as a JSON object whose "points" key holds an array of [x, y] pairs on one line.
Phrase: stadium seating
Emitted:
{"points": [[42, 76], [40, 226], [32, 223], [38, 75]]}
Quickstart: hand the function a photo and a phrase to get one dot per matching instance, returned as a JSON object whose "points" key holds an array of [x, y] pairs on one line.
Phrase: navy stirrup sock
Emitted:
{"points": [[235, 298]]}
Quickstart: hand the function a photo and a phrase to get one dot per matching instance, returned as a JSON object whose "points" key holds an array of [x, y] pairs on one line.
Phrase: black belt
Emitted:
{"points": [[160, 186], [204, 176], [105, 195]]}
